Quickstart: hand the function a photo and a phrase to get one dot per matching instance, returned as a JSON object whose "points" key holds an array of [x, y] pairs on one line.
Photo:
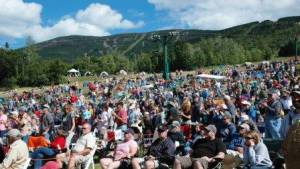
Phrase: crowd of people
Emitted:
{"points": [[148, 122]]}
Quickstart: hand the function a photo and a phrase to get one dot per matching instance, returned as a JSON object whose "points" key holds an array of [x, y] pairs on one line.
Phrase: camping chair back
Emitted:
{"points": [[148, 139], [90, 161], [218, 164]]}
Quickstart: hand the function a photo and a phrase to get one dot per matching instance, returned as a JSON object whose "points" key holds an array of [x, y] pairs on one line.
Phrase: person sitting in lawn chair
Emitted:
{"points": [[160, 152], [176, 136], [256, 154], [205, 151], [54, 148], [18, 152], [122, 153], [81, 152]]}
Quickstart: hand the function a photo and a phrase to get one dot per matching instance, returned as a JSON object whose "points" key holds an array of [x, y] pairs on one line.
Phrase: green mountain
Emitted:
{"points": [[275, 34]]}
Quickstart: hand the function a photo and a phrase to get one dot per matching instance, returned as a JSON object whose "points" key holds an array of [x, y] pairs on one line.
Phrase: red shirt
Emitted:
{"points": [[123, 115], [59, 140], [38, 114], [91, 86], [73, 99]]}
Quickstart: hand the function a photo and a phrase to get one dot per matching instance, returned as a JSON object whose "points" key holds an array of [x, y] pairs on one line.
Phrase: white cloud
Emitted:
{"points": [[16, 17], [219, 14], [19, 19], [103, 16]]}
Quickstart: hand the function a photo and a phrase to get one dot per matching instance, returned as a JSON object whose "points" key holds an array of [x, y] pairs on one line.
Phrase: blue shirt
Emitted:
{"points": [[227, 132], [237, 141]]}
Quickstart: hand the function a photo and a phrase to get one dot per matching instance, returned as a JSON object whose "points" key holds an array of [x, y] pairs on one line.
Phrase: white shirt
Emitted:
{"points": [[110, 117], [85, 141], [286, 103], [103, 120], [16, 157]]}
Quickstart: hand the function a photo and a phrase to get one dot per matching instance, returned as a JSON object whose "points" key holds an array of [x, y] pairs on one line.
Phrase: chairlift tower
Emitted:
{"points": [[164, 40]]}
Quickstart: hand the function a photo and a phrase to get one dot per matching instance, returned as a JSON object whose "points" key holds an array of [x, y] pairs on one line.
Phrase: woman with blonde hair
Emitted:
{"points": [[186, 110], [256, 154]]}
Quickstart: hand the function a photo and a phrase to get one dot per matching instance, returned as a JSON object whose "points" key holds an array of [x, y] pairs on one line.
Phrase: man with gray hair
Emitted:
{"points": [[18, 152], [273, 120], [82, 150]]}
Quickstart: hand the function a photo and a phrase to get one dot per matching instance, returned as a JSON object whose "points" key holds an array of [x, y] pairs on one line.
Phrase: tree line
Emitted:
{"points": [[27, 68]]}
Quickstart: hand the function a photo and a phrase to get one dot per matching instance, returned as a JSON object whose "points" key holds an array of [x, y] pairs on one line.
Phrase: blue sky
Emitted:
{"points": [[47, 19], [135, 10]]}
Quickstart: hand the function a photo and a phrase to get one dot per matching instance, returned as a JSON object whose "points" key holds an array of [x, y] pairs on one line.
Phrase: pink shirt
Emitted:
{"points": [[123, 115], [3, 120], [123, 149]]}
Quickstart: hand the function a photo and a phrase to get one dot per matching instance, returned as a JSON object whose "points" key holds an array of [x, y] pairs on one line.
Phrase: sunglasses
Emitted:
{"points": [[248, 138]]}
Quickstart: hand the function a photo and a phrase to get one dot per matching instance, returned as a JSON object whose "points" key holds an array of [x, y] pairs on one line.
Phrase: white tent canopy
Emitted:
{"points": [[73, 72], [123, 72], [248, 63], [142, 73], [265, 62], [88, 73], [104, 74], [207, 76]]}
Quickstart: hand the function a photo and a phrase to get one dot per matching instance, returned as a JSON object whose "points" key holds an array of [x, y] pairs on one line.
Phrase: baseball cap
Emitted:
{"points": [[174, 124], [162, 128], [129, 130], [211, 128], [244, 117], [245, 126], [171, 103], [284, 90], [22, 109], [14, 133], [273, 91], [227, 115], [16, 113], [245, 102], [226, 97], [46, 106]]}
